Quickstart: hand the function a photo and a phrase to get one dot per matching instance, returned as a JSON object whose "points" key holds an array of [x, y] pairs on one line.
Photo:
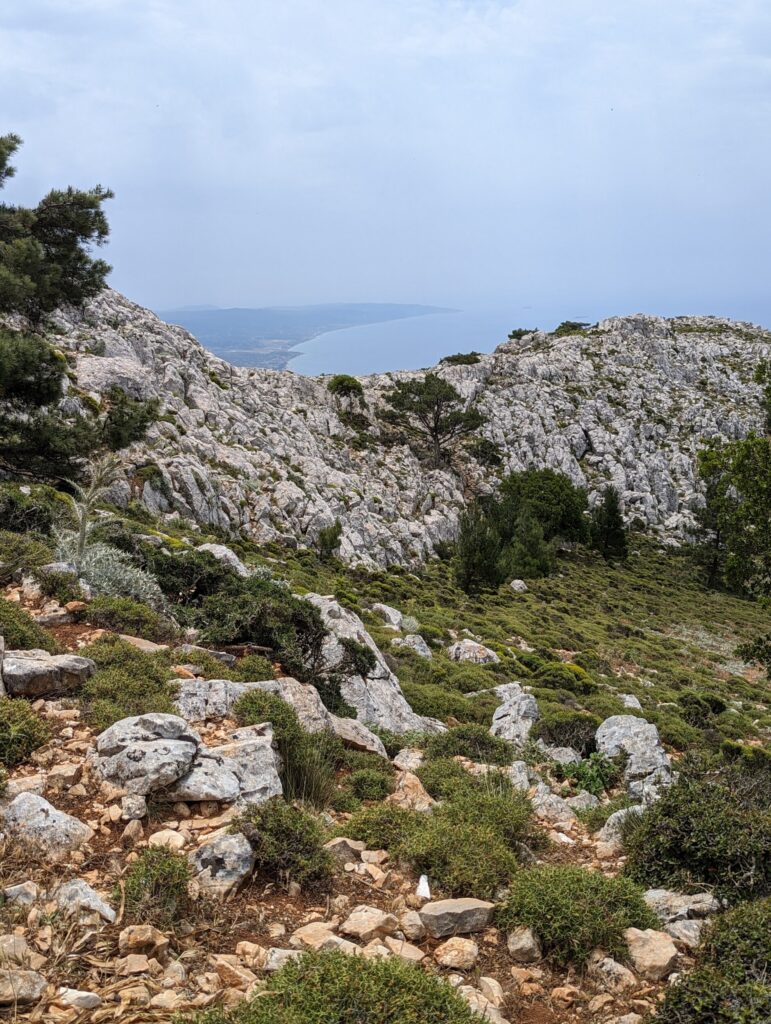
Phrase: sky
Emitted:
{"points": [[597, 157]]}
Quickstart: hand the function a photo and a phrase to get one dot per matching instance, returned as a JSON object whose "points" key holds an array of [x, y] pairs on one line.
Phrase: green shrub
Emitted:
{"points": [[21, 731], [356, 759], [596, 774], [19, 554], [344, 802], [461, 359], [675, 731], [328, 540], [3, 779], [381, 826], [492, 804], [331, 988], [369, 784], [252, 668], [36, 512], [564, 677], [461, 858], [258, 706], [20, 630], [187, 577], [62, 586], [595, 817], [573, 911], [127, 682], [472, 741], [707, 996], [394, 742], [343, 385], [444, 777], [438, 702], [739, 941], [560, 727], [124, 615], [288, 842], [155, 886], [712, 827]]}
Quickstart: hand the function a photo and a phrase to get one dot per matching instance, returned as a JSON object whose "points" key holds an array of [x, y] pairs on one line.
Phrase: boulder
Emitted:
{"points": [[647, 766], [611, 830], [33, 821], [223, 864], [456, 916], [277, 958], [582, 801], [391, 616], [518, 775], [376, 697], [211, 777], [78, 999], [687, 933], [346, 851], [457, 953], [652, 953], [519, 586], [523, 945], [408, 759], [252, 757], [357, 736], [414, 642], [224, 554], [472, 651], [147, 752], [514, 717], [411, 794], [316, 935], [671, 906], [612, 976], [367, 923], [36, 673], [550, 807]]}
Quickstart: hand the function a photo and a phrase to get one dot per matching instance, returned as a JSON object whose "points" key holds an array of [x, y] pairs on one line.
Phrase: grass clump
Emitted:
{"points": [[155, 886], [331, 988], [472, 741], [288, 842], [126, 683], [574, 911], [20, 630], [124, 615], [712, 827], [21, 731], [370, 784]]}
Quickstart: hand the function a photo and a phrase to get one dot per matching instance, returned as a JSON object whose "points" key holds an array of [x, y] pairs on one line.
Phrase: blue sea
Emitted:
{"points": [[412, 343]]}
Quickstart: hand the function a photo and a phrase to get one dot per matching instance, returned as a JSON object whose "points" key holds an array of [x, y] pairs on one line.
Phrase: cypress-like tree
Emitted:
{"points": [[608, 532]]}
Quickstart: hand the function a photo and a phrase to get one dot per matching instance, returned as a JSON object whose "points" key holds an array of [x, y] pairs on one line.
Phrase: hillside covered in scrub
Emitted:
{"points": [[432, 697]]}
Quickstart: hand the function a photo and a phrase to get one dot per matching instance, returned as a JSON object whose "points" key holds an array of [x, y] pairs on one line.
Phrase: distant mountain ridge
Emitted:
{"points": [[265, 336]]}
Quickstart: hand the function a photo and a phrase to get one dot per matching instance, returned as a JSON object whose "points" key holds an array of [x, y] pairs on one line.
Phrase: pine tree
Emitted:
{"points": [[478, 552], [608, 532], [530, 555]]}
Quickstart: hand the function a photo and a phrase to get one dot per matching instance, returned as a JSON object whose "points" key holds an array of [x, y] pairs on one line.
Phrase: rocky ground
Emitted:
{"points": [[75, 818], [274, 455]]}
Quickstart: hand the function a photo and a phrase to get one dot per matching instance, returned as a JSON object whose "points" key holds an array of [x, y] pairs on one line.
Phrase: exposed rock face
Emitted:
{"points": [[147, 752], [648, 766], [377, 697], [515, 715], [266, 451], [36, 673], [470, 650]]}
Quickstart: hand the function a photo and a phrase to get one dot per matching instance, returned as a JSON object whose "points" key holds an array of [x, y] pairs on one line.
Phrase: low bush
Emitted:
{"points": [[596, 774], [155, 886], [3, 779], [258, 706], [288, 842], [332, 988], [382, 826], [460, 858], [492, 804], [712, 827], [472, 741], [20, 554], [187, 577], [252, 668], [62, 586], [444, 778], [35, 512], [370, 784], [127, 682], [124, 615], [730, 982], [344, 802], [564, 677], [110, 572], [20, 630], [595, 817], [21, 731], [561, 727], [439, 702], [573, 911]]}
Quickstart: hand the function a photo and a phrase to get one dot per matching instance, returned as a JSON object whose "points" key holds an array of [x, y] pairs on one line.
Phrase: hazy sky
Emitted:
{"points": [[599, 156]]}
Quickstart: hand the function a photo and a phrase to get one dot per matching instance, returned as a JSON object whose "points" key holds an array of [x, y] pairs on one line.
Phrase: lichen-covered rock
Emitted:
{"points": [[223, 864], [473, 652], [147, 752], [653, 953], [515, 715], [647, 765], [414, 642], [252, 757], [456, 917], [31, 819]]}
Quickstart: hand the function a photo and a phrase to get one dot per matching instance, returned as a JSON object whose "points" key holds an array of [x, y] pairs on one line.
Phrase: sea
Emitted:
{"points": [[412, 343]]}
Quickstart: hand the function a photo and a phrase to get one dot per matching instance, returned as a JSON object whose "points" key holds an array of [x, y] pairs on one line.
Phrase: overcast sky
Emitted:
{"points": [[602, 156]]}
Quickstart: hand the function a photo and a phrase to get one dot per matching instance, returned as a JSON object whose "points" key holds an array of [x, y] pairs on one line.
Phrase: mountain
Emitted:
{"points": [[267, 453], [265, 337]]}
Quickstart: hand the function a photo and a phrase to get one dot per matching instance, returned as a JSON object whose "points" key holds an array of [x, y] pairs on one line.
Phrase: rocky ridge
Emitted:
{"points": [[270, 452]]}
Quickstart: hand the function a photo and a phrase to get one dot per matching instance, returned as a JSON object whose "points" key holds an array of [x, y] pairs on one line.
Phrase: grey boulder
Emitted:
{"points": [[147, 752], [40, 674], [33, 821], [515, 716], [223, 864], [456, 917]]}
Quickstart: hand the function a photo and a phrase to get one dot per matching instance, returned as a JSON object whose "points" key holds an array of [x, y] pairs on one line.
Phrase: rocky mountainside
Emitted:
{"points": [[267, 452]]}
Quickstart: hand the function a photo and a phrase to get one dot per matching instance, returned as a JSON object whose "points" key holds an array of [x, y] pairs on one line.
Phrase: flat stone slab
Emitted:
{"points": [[456, 917]]}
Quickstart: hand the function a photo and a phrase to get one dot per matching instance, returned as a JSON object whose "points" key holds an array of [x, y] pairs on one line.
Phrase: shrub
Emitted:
{"points": [[20, 554], [472, 741], [187, 577], [706, 996], [21, 731], [739, 941], [596, 774], [36, 512], [62, 586], [3, 779], [155, 886], [20, 630], [344, 802], [712, 827], [461, 359], [492, 804], [329, 540], [309, 769], [110, 572], [439, 702], [127, 682], [343, 385], [332, 988], [124, 615], [369, 784], [444, 777], [461, 858], [560, 727], [258, 706], [381, 826], [573, 911], [564, 677], [252, 668], [288, 842], [595, 817]]}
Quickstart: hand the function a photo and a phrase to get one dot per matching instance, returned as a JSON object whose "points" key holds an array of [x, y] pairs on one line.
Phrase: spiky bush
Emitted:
{"points": [[472, 741], [155, 886], [110, 572], [20, 631], [288, 842], [21, 731]]}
